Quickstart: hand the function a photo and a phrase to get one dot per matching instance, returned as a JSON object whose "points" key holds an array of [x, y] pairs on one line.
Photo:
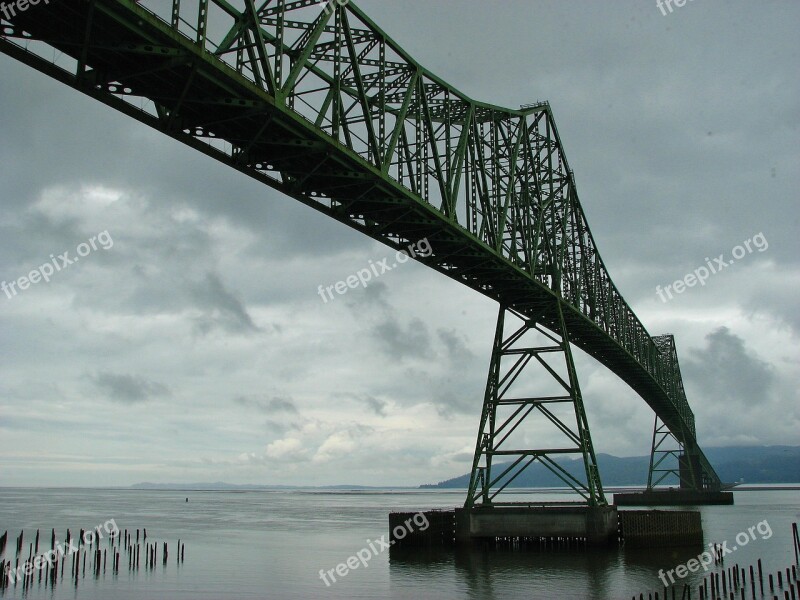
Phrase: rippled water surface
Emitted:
{"points": [[273, 544]]}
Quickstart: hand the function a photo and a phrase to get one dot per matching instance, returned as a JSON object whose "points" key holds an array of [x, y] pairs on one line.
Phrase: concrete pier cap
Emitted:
{"points": [[597, 525]]}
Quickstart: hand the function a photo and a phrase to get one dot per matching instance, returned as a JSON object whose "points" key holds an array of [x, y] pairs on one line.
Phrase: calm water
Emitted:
{"points": [[273, 545]]}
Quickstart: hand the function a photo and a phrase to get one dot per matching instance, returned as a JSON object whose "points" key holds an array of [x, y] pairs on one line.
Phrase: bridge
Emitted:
{"points": [[313, 99]]}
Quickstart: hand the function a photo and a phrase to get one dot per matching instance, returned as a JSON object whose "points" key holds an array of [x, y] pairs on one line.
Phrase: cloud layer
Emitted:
{"points": [[198, 349]]}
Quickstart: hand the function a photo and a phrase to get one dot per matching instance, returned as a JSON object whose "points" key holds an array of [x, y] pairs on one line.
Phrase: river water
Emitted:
{"points": [[273, 544]]}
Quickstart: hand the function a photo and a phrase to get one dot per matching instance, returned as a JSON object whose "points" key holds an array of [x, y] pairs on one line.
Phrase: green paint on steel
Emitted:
{"points": [[318, 102]]}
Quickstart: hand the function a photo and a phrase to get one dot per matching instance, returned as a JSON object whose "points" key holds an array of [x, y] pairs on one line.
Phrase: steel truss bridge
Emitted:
{"points": [[315, 100]]}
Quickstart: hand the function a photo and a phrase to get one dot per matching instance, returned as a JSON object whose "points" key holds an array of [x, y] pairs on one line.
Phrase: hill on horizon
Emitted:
{"points": [[752, 464]]}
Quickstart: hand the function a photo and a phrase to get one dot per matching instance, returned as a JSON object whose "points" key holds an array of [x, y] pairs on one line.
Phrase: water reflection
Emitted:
{"points": [[483, 572]]}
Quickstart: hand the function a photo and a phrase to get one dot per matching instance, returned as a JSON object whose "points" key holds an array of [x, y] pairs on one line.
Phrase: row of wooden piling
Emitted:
{"points": [[45, 565], [732, 583]]}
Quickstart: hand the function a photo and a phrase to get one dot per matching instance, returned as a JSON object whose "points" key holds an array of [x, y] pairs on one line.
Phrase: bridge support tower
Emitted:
{"points": [[528, 420], [673, 461]]}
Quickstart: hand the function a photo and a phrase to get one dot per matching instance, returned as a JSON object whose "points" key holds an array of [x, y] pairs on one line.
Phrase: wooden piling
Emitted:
{"points": [[92, 554]]}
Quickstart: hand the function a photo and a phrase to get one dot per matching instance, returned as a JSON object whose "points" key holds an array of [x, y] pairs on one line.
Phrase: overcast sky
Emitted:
{"points": [[197, 349]]}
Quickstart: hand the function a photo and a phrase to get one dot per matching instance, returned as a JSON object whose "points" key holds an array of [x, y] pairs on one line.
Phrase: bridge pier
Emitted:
{"points": [[528, 527], [592, 526], [674, 497]]}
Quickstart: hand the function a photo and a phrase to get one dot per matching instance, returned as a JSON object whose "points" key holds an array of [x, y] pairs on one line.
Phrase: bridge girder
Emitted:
{"points": [[316, 101]]}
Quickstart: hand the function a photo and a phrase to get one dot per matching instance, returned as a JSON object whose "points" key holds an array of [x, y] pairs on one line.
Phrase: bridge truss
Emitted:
{"points": [[315, 100]]}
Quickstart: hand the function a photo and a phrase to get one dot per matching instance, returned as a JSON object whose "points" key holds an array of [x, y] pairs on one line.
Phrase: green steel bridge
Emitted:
{"points": [[313, 99]]}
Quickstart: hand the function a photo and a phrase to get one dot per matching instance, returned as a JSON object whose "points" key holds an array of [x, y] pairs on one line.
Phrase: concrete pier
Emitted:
{"points": [[592, 526], [660, 528], [547, 527], [673, 497], [439, 531]]}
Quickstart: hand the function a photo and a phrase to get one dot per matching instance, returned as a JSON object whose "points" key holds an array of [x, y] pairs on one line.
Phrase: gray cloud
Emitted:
{"points": [[129, 389], [222, 308], [393, 337], [726, 371], [455, 345], [271, 406], [377, 406], [411, 340]]}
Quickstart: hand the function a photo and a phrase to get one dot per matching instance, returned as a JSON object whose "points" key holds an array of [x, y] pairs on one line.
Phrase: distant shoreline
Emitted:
{"points": [[762, 488], [778, 487]]}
